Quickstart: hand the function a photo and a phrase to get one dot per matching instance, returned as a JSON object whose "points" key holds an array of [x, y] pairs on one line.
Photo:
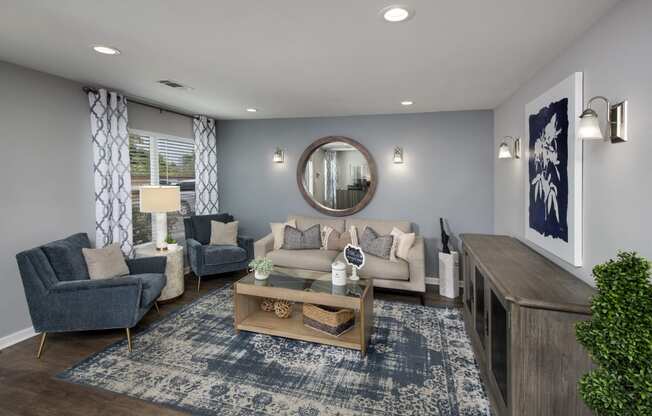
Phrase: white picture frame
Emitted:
{"points": [[553, 192]]}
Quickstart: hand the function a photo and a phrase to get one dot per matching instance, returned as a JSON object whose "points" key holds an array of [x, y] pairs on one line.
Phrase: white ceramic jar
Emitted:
{"points": [[339, 273]]}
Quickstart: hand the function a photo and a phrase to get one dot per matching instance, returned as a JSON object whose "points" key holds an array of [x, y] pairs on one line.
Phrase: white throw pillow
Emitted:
{"points": [[105, 263], [224, 234], [403, 242], [325, 235], [354, 236], [278, 231]]}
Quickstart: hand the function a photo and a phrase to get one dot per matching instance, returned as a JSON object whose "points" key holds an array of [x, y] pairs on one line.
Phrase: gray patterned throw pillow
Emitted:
{"points": [[372, 243], [295, 239]]}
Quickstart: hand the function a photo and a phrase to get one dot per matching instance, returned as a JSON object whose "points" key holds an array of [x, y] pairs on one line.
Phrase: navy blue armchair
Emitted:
{"points": [[206, 259], [61, 297]]}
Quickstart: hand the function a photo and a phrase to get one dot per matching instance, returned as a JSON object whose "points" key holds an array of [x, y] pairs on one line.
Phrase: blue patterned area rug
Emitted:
{"points": [[419, 362]]}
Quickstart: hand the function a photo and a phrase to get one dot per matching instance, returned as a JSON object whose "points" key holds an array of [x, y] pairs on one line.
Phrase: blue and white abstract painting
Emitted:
{"points": [[553, 175], [548, 170]]}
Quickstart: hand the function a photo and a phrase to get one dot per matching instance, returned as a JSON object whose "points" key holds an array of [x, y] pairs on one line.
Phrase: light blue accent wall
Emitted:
{"points": [[448, 169]]}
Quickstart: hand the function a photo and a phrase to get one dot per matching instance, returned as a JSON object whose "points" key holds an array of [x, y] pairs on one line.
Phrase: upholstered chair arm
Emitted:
{"points": [[417, 264], [264, 246], [248, 244], [92, 304], [155, 264], [195, 255]]}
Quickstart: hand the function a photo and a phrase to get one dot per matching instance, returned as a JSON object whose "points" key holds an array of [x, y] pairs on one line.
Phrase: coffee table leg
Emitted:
{"points": [[366, 319]]}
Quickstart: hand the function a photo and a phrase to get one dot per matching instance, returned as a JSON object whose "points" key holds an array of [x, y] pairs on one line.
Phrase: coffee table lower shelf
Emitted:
{"points": [[293, 327]]}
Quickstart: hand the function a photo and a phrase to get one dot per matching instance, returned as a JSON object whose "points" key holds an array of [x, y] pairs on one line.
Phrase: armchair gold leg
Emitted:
{"points": [[156, 306], [198, 282], [40, 347], [128, 339]]}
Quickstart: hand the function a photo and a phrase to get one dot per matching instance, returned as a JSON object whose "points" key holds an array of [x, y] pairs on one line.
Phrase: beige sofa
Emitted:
{"points": [[403, 275]]}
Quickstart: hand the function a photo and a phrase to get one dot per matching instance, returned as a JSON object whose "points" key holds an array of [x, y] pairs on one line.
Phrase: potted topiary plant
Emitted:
{"points": [[618, 338], [261, 267], [172, 243]]}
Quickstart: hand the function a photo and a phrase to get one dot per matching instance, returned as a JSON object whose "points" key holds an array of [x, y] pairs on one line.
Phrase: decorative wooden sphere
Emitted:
{"points": [[267, 305], [283, 309]]}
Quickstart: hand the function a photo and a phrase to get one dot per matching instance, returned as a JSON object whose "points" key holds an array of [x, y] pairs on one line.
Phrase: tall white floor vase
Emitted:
{"points": [[449, 272]]}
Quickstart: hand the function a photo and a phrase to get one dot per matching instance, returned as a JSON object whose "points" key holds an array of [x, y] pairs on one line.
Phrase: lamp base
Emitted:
{"points": [[159, 230]]}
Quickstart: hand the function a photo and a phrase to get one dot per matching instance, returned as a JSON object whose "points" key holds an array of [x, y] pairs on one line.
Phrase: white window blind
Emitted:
{"points": [[176, 166]]}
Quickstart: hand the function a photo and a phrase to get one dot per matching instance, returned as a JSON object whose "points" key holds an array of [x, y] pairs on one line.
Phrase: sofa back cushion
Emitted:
{"points": [[201, 225], [303, 223], [66, 257], [382, 227]]}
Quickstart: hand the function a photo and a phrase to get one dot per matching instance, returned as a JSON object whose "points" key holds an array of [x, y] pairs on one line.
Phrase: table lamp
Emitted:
{"points": [[159, 200]]}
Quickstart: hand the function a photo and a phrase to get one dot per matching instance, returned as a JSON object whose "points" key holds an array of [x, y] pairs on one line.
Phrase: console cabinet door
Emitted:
{"points": [[498, 350]]}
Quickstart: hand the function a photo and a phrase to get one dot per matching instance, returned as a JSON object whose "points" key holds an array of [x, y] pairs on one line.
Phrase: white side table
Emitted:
{"points": [[173, 270]]}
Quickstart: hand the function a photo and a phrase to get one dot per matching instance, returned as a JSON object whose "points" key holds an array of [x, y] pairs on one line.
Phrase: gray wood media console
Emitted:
{"points": [[520, 311]]}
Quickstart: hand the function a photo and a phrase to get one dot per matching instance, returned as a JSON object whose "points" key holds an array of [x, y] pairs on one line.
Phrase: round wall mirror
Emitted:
{"points": [[337, 176]]}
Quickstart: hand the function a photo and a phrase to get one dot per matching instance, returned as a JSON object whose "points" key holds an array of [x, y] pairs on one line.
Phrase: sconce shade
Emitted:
{"points": [[589, 128], [159, 199], [278, 156], [504, 152], [398, 155]]}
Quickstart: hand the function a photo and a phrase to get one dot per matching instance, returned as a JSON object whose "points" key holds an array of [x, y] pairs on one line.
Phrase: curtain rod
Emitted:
{"points": [[134, 100]]}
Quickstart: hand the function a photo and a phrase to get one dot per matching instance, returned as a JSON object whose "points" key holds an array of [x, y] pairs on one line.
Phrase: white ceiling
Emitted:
{"points": [[297, 58]]}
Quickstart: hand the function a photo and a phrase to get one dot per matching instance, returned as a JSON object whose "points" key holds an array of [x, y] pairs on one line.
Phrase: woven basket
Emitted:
{"points": [[332, 321]]}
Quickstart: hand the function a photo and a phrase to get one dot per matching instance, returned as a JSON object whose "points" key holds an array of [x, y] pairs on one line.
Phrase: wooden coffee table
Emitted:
{"points": [[304, 287]]}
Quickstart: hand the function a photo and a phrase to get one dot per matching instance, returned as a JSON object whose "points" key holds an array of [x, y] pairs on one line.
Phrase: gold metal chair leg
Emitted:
{"points": [[156, 306], [198, 282], [40, 347], [128, 338]]}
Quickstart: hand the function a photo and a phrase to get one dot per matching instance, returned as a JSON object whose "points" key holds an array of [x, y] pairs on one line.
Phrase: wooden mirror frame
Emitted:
{"points": [[303, 162]]}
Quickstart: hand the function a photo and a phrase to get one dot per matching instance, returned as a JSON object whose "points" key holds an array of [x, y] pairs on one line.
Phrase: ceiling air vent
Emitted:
{"points": [[173, 84]]}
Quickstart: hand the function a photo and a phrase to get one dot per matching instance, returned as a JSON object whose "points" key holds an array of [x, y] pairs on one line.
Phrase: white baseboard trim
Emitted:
{"points": [[16, 337], [435, 282]]}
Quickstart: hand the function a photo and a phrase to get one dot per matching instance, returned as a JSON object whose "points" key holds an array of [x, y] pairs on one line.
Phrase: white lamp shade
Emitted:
{"points": [[504, 152], [160, 199], [589, 128]]}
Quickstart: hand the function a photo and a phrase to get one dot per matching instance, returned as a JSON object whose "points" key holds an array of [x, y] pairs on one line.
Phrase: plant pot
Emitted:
{"points": [[173, 246], [261, 276]]}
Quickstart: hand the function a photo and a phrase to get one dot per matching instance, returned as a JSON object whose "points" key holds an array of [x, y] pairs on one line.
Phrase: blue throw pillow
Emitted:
{"points": [[66, 257]]}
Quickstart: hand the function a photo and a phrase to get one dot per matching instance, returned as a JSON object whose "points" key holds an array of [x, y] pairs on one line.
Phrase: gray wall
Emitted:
{"points": [[616, 60], [155, 121], [447, 170], [46, 174]]}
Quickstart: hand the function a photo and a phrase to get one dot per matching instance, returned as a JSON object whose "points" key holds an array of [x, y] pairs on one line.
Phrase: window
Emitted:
{"points": [[176, 166]]}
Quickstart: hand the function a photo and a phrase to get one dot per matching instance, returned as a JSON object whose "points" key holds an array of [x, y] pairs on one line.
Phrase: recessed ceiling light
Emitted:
{"points": [[106, 50], [251, 110], [407, 103], [396, 13]]}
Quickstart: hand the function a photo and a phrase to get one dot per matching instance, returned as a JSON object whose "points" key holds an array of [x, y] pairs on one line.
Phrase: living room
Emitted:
{"points": [[304, 208]]}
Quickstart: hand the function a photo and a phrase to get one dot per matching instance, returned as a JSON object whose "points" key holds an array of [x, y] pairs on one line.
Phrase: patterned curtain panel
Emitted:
{"points": [[111, 169], [207, 197], [330, 159]]}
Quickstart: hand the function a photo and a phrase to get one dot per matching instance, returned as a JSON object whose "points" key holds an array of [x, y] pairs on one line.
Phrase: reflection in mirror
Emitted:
{"points": [[337, 176]]}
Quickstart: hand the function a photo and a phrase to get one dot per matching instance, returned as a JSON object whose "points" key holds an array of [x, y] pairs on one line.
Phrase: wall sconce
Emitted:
{"points": [[398, 155], [279, 155], [616, 115], [505, 150]]}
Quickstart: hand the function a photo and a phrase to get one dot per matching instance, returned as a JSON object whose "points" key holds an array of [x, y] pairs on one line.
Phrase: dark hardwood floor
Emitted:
{"points": [[28, 386]]}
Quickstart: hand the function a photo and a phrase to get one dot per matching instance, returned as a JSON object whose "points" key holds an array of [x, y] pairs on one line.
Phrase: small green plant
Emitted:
{"points": [[170, 240], [263, 266], [618, 338]]}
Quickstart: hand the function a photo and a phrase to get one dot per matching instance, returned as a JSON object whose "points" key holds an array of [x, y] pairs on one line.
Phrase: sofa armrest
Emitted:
{"points": [[195, 255], [93, 304], [417, 264], [155, 264], [264, 246], [248, 244]]}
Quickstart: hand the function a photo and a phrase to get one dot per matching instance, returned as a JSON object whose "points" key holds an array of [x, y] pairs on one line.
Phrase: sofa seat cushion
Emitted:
{"points": [[66, 257], [223, 254], [153, 283], [377, 268], [317, 260]]}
